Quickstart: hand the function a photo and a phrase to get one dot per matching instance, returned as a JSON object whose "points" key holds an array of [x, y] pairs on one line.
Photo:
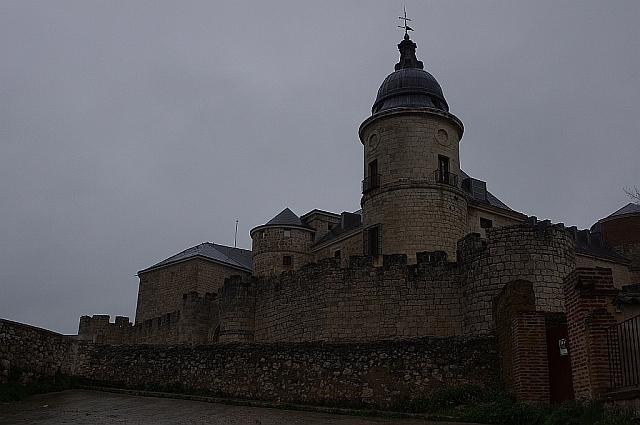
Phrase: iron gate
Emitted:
{"points": [[623, 345]]}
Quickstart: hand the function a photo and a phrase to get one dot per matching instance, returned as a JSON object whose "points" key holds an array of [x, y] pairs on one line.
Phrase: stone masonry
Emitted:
{"points": [[34, 352]]}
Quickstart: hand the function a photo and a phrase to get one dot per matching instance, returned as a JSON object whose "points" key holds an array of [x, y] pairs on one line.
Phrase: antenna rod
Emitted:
{"points": [[235, 238]]}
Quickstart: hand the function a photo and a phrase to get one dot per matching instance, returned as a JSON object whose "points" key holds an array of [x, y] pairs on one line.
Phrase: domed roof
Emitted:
{"points": [[410, 86]]}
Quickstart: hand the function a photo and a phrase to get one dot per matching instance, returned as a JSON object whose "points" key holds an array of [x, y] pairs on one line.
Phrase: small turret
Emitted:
{"points": [[283, 243]]}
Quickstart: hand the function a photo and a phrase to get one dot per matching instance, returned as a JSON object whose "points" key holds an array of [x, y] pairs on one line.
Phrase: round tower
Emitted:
{"points": [[284, 243], [411, 196]]}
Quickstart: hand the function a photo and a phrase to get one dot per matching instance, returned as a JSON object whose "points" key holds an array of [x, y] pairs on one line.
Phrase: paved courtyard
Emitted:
{"points": [[98, 408]]}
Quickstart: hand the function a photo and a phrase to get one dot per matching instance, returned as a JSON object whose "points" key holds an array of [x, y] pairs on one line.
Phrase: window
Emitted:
{"points": [[372, 179], [286, 260], [372, 241], [329, 226], [485, 223], [312, 236], [373, 167], [262, 234], [443, 169], [287, 233], [336, 253]]}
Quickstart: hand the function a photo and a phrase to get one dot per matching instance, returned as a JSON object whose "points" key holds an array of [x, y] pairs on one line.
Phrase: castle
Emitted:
{"points": [[431, 252]]}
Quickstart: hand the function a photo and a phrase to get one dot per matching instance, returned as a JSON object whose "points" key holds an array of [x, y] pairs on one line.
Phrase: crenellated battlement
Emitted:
{"points": [[434, 296], [99, 329], [367, 300]]}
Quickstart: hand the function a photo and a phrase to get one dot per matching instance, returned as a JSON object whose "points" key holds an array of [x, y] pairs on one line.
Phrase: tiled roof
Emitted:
{"points": [[286, 218], [630, 208], [490, 199], [348, 221], [235, 257], [591, 242]]}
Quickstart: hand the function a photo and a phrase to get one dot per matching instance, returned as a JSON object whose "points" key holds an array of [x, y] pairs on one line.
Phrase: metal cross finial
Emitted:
{"points": [[405, 19]]}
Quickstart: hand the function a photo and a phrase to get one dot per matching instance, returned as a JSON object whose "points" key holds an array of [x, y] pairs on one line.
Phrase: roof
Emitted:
{"points": [[286, 218], [630, 208], [591, 242], [409, 86], [489, 199], [348, 221], [234, 257]]}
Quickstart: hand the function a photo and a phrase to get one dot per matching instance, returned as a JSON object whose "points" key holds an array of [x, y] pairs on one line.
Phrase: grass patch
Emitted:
{"points": [[494, 405]]}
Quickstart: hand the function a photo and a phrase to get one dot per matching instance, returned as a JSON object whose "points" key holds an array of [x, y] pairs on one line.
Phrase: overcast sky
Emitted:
{"points": [[130, 131]]}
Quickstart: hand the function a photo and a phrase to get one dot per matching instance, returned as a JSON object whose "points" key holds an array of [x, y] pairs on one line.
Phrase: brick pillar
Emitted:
{"points": [[587, 292], [531, 367], [523, 342]]}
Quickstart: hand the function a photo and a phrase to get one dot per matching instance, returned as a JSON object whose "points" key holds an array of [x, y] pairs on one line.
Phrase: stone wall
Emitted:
{"points": [[237, 310], [417, 216], [270, 244], [99, 329], [161, 289], [416, 213], [323, 301], [349, 243], [34, 351], [622, 273], [538, 254], [374, 374], [195, 321], [498, 217]]}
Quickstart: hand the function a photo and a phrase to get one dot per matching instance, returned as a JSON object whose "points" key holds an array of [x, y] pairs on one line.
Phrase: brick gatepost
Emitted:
{"points": [[523, 345], [587, 292]]}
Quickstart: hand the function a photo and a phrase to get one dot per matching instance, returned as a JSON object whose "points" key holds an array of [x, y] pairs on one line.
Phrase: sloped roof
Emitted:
{"points": [[491, 198], [348, 221], [235, 257], [630, 208], [286, 218]]}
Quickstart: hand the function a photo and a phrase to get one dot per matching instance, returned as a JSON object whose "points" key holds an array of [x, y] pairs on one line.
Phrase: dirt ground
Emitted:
{"points": [[100, 408]]}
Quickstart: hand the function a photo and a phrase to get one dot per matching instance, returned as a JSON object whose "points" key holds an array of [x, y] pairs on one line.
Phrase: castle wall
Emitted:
{"points": [[622, 274], [270, 244], [321, 221], [237, 310], [161, 289], [28, 353], [543, 256], [376, 374], [99, 329], [498, 220], [349, 244], [193, 322], [323, 301]]}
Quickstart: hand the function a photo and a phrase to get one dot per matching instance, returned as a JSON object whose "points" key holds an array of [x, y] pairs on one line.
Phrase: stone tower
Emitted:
{"points": [[283, 243], [411, 196]]}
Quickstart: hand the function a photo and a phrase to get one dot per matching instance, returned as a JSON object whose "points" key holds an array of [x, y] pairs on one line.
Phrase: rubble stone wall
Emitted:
{"points": [[35, 352], [372, 374]]}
